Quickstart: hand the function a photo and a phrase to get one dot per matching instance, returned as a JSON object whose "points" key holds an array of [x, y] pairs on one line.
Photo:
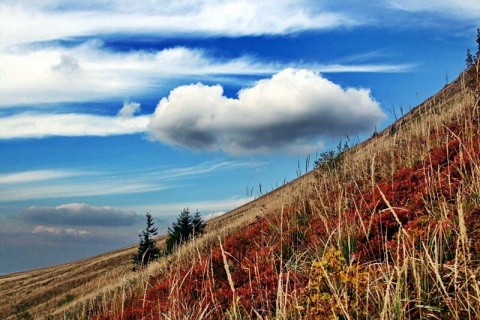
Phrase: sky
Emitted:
{"points": [[111, 109]]}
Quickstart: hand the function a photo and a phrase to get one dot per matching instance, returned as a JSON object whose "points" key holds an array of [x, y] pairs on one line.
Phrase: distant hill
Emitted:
{"points": [[388, 229]]}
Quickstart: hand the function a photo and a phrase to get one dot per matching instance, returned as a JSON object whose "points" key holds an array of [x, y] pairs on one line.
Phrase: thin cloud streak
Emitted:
{"points": [[179, 18], [37, 125], [74, 189], [177, 173], [216, 18], [463, 9], [37, 176], [98, 73], [365, 68], [89, 71], [58, 231], [24, 185]]}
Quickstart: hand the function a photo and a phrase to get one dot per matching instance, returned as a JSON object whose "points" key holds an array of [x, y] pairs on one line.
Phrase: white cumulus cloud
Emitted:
{"points": [[292, 110]]}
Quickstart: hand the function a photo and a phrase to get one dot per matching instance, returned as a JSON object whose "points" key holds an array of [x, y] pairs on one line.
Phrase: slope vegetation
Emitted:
{"points": [[389, 229]]}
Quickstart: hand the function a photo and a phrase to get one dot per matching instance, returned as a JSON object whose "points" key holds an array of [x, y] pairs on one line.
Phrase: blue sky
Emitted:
{"points": [[111, 109]]}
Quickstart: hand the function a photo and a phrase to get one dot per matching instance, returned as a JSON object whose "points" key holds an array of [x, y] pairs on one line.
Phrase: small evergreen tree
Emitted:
{"points": [[147, 248], [184, 223], [470, 60], [198, 224], [185, 228], [473, 70], [478, 43]]}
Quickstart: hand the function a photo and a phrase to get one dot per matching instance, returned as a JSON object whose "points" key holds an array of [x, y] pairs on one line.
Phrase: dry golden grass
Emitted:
{"points": [[48, 289]]}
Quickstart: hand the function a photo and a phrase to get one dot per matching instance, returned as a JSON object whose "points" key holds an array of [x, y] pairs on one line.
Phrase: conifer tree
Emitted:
{"points": [[185, 228], [198, 224], [472, 74], [470, 60], [147, 248], [478, 43]]}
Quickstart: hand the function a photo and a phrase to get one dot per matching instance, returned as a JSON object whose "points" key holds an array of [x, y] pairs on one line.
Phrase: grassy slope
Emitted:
{"points": [[49, 288], [53, 290], [392, 233]]}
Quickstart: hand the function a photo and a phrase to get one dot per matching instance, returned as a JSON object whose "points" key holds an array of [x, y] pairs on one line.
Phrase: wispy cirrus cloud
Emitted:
{"points": [[169, 174], [89, 71], [72, 64], [64, 183], [161, 18], [464, 9], [36, 60], [40, 125], [30, 185], [183, 18], [69, 189], [37, 176]]}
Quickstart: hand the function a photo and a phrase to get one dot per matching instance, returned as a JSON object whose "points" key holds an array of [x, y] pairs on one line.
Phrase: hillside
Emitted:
{"points": [[389, 229], [54, 290]]}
